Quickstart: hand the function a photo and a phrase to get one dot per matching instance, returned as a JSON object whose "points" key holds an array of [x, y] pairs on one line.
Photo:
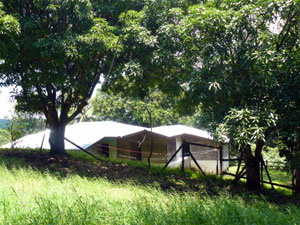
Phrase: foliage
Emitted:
{"points": [[273, 155], [59, 54], [245, 126], [4, 137], [225, 58], [9, 29], [15, 127], [145, 59], [22, 124], [286, 70], [115, 107], [3, 122]]}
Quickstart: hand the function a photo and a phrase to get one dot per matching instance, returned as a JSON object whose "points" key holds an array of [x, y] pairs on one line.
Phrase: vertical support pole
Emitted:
{"points": [[267, 174], [221, 160], [239, 166], [199, 167], [41, 148], [217, 166], [293, 180], [112, 148], [173, 156], [261, 172], [183, 151]]}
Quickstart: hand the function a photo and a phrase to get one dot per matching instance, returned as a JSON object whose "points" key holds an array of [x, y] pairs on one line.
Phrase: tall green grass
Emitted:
{"points": [[28, 196]]}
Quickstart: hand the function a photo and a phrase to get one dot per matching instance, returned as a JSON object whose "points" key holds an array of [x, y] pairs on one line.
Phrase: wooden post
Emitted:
{"points": [[239, 175], [82, 149], [217, 167], [173, 156], [267, 173], [41, 148], [261, 172], [239, 166], [184, 148], [221, 160], [199, 167], [293, 179], [297, 178]]}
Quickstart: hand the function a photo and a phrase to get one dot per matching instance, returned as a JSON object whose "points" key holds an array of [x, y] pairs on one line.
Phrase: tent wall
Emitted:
{"points": [[98, 147], [163, 149], [225, 155], [128, 147], [207, 157]]}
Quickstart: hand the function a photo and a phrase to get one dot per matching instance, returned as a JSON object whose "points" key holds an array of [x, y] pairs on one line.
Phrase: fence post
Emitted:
{"points": [[217, 167], [221, 160], [184, 148]]}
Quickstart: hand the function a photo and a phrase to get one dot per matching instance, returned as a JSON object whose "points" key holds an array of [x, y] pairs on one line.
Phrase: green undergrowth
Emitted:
{"points": [[32, 195]]}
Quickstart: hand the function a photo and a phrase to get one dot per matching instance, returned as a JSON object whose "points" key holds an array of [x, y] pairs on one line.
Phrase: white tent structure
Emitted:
{"points": [[205, 155], [178, 130], [83, 134], [121, 140]]}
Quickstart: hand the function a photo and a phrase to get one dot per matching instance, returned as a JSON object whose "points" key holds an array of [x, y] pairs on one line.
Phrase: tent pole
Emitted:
{"points": [[172, 157], [82, 149], [41, 148]]}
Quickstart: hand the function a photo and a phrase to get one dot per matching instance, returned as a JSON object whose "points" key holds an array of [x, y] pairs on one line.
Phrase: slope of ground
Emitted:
{"points": [[36, 188]]}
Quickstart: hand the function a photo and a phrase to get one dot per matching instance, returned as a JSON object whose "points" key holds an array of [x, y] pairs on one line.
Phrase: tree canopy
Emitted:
{"points": [[237, 60], [133, 110], [60, 51]]}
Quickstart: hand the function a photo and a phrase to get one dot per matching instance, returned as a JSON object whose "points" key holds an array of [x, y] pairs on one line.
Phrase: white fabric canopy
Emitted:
{"points": [[176, 130], [87, 133], [83, 134]]}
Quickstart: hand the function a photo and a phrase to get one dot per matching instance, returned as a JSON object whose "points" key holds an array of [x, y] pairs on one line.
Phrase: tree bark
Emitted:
{"points": [[297, 171], [56, 140], [252, 166], [297, 187], [253, 175]]}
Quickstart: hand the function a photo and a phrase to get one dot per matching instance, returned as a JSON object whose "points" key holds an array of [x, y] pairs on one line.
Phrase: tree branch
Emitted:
{"points": [[289, 24]]}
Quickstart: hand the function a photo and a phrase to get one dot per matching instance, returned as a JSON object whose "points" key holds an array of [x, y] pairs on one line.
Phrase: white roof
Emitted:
{"points": [[83, 134], [176, 130], [87, 133]]}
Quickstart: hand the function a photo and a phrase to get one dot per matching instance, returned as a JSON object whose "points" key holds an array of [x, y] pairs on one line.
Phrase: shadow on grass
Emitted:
{"points": [[169, 180]]}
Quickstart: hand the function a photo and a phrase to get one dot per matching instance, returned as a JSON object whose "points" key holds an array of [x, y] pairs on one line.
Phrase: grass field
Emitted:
{"points": [[47, 195], [277, 176]]}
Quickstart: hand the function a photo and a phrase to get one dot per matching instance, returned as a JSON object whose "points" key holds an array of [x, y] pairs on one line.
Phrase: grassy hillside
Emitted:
{"points": [[39, 189]]}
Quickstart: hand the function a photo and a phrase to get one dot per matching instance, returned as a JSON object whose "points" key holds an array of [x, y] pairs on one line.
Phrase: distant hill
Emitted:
{"points": [[3, 123]]}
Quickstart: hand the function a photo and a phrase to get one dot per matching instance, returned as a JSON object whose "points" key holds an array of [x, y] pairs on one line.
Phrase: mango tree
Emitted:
{"points": [[57, 57]]}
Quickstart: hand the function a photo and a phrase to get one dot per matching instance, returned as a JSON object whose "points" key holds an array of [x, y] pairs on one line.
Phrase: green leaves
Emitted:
{"points": [[9, 30], [132, 110], [246, 126]]}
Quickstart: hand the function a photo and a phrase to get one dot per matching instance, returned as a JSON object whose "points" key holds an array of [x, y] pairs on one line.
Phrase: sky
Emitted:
{"points": [[7, 106]]}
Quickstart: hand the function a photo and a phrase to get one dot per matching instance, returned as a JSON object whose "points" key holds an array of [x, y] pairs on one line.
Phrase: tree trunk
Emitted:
{"points": [[253, 173], [252, 168], [56, 140], [297, 187], [297, 171]]}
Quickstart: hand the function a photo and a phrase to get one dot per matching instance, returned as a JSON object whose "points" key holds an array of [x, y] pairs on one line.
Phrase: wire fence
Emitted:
{"points": [[274, 173], [160, 157]]}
